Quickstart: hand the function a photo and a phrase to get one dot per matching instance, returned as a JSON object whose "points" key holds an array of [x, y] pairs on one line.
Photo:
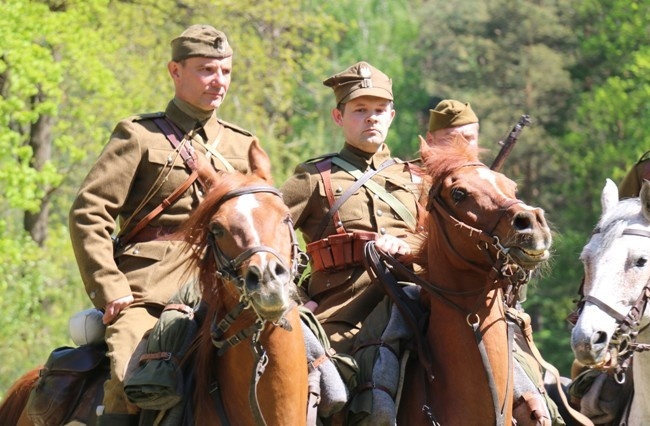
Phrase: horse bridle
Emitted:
{"points": [[505, 270], [228, 270], [622, 345]]}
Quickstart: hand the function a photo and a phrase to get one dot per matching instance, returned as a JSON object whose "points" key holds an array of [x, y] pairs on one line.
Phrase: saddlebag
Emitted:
{"points": [[63, 381]]}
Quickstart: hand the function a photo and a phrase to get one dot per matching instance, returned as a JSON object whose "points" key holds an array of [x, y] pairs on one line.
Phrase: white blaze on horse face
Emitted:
{"points": [[490, 177], [245, 206]]}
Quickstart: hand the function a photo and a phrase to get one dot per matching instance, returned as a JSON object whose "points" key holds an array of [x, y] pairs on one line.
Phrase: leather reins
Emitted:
{"points": [[228, 270], [622, 344]]}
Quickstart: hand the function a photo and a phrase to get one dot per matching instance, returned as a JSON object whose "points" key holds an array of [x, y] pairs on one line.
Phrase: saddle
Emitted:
{"points": [[71, 378]]}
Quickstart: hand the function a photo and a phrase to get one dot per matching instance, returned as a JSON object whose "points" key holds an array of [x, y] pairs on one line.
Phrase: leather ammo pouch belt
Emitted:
{"points": [[339, 251]]}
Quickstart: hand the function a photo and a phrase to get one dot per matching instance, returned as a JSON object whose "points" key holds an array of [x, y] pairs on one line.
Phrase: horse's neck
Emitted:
{"points": [[281, 381], [460, 371]]}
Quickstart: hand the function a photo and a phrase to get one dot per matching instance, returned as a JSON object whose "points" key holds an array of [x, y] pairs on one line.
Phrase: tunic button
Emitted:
{"points": [[379, 212], [136, 251], [338, 190], [327, 285], [92, 294], [382, 231], [339, 223]]}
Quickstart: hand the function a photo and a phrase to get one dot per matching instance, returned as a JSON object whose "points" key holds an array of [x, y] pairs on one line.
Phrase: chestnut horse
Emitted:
{"points": [[249, 360], [482, 244]]}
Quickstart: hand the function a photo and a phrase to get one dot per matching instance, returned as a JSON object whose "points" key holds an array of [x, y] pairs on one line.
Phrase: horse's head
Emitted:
{"points": [[475, 207], [616, 281], [242, 235]]}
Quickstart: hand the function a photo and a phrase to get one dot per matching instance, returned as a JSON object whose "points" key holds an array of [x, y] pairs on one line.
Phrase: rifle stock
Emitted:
{"points": [[509, 143]]}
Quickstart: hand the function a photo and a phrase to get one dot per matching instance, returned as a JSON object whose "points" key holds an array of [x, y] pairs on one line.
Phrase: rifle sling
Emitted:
{"points": [[325, 167]]}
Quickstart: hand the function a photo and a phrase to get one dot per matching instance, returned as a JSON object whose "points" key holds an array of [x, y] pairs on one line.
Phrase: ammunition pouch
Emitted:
{"points": [[339, 251]]}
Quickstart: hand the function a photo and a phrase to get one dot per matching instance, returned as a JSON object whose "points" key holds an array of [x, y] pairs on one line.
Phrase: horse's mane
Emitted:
{"points": [[440, 160]]}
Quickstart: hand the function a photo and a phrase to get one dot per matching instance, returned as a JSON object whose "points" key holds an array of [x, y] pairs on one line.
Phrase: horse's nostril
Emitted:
{"points": [[599, 338], [278, 269], [253, 278], [523, 221]]}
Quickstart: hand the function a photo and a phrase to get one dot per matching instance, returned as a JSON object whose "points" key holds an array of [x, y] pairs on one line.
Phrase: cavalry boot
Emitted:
{"points": [[118, 420]]}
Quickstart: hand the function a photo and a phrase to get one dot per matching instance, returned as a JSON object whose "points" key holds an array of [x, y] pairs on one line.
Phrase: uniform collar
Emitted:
{"points": [[187, 117], [362, 159]]}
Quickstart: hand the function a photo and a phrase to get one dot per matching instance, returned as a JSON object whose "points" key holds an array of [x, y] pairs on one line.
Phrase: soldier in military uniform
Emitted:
{"points": [[138, 169], [631, 184], [336, 221], [451, 119]]}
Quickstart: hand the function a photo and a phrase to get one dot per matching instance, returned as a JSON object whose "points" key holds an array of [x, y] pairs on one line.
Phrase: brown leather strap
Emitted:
{"points": [[372, 385], [167, 356], [162, 206], [325, 169], [523, 321]]}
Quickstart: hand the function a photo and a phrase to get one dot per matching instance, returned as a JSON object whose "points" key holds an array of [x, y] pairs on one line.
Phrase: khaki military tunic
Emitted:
{"points": [[136, 171], [346, 297], [137, 160], [631, 184]]}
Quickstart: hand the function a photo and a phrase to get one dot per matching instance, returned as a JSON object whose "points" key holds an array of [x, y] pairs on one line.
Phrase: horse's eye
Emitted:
{"points": [[640, 262], [457, 194], [217, 230]]}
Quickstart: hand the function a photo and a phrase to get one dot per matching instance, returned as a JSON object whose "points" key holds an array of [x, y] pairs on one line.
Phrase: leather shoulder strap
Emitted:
{"points": [[334, 207], [171, 132], [162, 206], [325, 169]]}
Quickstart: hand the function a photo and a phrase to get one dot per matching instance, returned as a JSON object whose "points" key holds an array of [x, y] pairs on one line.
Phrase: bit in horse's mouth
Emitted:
{"points": [[529, 257]]}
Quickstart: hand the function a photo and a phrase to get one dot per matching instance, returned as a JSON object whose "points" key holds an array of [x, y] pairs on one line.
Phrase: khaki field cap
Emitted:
{"points": [[200, 40], [361, 79], [450, 113]]}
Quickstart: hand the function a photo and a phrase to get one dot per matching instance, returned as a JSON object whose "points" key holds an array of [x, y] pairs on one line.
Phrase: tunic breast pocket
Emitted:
{"points": [[356, 207], [160, 161]]}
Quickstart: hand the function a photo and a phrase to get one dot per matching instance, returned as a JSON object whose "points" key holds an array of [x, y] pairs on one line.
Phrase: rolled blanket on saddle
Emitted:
{"points": [[381, 343], [328, 392], [157, 381]]}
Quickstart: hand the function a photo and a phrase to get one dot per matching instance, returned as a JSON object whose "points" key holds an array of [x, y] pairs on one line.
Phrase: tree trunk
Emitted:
{"points": [[40, 140]]}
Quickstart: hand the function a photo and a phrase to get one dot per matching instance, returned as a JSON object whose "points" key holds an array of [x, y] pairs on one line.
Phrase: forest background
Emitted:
{"points": [[70, 69]]}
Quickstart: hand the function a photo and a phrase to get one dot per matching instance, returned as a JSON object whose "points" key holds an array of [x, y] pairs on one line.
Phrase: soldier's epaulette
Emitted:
{"points": [[322, 157], [148, 116], [415, 161], [235, 128]]}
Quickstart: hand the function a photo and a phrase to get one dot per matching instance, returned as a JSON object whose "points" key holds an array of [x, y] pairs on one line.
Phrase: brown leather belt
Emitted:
{"points": [[153, 233], [339, 251]]}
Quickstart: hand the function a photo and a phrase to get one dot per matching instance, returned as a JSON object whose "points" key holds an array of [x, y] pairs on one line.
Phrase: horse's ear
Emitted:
{"points": [[609, 196], [259, 162], [644, 195]]}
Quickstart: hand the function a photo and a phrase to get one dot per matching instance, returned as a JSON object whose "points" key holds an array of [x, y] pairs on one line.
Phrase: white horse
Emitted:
{"points": [[613, 324]]}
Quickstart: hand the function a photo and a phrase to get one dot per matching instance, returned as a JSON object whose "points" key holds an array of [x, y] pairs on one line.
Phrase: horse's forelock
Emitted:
{"points": [[612, 224], [441, 160]]}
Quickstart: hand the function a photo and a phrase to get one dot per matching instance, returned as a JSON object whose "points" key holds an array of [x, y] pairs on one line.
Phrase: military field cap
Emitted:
{"points": [[200, 40], [361, 79], [451, 113]]}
